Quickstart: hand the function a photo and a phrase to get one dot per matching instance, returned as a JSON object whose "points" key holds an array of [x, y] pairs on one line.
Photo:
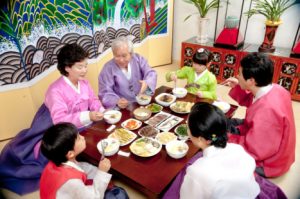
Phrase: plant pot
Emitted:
{"points": [[202, 37], [267, 45]]}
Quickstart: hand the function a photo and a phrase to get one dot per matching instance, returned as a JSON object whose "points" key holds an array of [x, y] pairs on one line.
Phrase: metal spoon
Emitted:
{"points": [[104, 144]]}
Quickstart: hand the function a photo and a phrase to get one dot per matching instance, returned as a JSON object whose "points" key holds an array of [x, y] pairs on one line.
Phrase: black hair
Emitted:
{"points": [[68, 56], [259, 67], [58, 140], [202, 56], [208, 121]]}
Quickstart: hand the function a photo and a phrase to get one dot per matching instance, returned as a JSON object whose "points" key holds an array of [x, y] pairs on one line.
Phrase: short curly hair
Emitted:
{"points": [[68, 56]]}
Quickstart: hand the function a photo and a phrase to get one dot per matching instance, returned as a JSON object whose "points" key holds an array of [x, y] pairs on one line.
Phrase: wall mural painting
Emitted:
{"points": [[33, 31]]}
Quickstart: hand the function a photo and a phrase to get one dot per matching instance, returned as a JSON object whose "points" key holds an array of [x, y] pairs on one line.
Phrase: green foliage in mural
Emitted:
{"points": [[99, 11], [134, 8], [19, 17]]}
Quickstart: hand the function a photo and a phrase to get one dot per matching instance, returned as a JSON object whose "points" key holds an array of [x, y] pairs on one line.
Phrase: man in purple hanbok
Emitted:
{"points": [[68, 99], [125, 76]]}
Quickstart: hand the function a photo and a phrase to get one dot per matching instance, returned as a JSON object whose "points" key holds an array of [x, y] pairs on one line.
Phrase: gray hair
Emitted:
{"points": [[120, 41]]}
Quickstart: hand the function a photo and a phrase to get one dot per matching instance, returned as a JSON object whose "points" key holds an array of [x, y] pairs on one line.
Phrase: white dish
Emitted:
{"points": [[224, 106], [154, 108], [165, 99], [179, 92], [158, 118], [131, 124], [111, 148], [177, 149], [181, 107], [165, 137], [145, 147], [143, 99], [169, 123], [123, 135], [182, 136], [112, 116]]}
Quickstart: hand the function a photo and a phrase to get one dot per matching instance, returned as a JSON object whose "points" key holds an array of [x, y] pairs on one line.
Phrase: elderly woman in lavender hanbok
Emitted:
{"points": [[125, 76], [68, 99]]}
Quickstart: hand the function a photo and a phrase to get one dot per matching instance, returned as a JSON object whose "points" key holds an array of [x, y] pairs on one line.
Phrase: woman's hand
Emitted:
{"points": [[122, 103], [144, 86], [96, 116], [231, 82], [104, 165]]}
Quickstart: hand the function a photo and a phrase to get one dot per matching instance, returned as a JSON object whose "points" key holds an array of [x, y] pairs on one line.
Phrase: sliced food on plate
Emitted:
{"points": [[148, 131], [165, 137], [123, 135], [158, 118]]}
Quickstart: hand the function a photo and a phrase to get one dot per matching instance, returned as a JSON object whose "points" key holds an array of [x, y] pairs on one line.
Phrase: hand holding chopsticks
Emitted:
{"points": [[231, 82]]}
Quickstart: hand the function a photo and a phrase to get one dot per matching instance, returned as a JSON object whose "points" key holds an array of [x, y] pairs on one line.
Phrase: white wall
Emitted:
{"points": [[255, 32]]}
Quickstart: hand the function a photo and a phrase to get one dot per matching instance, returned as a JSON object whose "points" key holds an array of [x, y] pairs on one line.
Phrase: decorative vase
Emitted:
{"points": [[231, 22], [267, 45], [202, 38]]}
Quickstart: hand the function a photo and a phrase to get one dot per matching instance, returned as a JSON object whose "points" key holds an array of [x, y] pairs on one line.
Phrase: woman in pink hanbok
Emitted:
{"points": [[68, 99], [125, 76]]}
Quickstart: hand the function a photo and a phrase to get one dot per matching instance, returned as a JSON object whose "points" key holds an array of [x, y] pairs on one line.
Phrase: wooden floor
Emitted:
{"points": [[290, 182]]}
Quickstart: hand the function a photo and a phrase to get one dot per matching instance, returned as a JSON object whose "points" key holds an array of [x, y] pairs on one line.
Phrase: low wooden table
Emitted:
{"points": [[151, 175]]}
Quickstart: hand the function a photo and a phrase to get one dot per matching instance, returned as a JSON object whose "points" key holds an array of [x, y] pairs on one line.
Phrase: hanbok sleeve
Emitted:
{"points": [[242, 97], [106, 84], [59, 109], [76, 189], [148, 74], [262, 136], [210, 93], [194, 189], [180, 74]]}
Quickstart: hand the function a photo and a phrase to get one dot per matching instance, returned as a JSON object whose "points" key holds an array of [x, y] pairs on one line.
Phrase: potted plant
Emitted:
{"points": [[203, 7], [272, 10]]}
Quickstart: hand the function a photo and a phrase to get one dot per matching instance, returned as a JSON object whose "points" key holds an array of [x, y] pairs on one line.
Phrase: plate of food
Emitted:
{"points": [[123, 135], [158, 118], [165, 99], [169, 123], [181, 131], [165, 137], [131, 124], [224, 106], [145, 147], [154, 108], [182, 107], [148, 131]]}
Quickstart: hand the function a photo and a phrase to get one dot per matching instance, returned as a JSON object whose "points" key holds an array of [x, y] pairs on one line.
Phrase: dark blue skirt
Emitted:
{"points": [[20, 170]]}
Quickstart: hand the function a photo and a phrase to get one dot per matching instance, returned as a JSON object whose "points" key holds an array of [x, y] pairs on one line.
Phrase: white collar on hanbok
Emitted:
{"points": [[262, 91], [211, 150], [73, 165], [72, 85], [200, 75], [127, 72]]}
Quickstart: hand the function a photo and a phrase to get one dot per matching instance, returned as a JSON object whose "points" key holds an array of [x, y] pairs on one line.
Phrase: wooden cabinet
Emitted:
{"points": [[289, 75], [226, 62]]}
